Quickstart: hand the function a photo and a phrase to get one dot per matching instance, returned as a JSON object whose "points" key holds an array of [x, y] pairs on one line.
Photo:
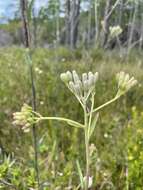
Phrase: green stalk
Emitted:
{"points": [[86, 148], [34, 131], [69, 121], [90, 115], [106, 104], [25, 19]]}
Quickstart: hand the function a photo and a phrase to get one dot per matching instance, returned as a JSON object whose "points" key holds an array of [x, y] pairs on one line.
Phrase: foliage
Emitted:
{"points": [[135, 149], [60, 147]]}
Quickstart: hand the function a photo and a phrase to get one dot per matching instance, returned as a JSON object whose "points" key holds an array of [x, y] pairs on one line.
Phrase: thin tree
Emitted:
{"points": [[67, 21], [105, 23], [27, 42], [132, 27], [72, 22], [96, 4]]}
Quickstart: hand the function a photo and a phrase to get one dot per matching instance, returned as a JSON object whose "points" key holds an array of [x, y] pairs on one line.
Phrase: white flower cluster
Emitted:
{"points": [[115, 31], [24, 118], [80, 87], [38, 70], [125, 82]]}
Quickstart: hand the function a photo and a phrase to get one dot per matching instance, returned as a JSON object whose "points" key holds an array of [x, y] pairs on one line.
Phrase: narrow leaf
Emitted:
{"points": [[93, 125], [80, 174], [78, 125]]}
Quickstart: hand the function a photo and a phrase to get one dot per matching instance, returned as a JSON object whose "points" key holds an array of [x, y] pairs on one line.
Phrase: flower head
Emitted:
{"points": [[82, 86], [24, 118], [125, 82], [115, 31]]}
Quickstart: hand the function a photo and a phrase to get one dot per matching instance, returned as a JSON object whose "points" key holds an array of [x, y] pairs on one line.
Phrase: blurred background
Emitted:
{"points": [[79, 23]]}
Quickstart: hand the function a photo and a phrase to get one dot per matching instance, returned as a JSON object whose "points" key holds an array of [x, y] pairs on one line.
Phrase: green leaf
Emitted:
{"points": [[93, 124], [78, 125], [80, 174]]}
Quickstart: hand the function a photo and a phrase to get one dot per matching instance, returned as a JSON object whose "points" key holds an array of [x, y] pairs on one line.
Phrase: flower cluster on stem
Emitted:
{"points": [[83, 87]]}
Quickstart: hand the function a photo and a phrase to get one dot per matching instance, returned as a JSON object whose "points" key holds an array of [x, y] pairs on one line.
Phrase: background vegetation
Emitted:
{"points": [[118, 137]]}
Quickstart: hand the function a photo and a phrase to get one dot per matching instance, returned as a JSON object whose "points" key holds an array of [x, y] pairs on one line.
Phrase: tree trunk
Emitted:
{"points": [[96, 22], [106, 22], [120, 13], [57, 27], [132, 27], [27, 42], [26, 37], [141, 36], [67, 22], [34, 28], [72, 22], [89, 24]]}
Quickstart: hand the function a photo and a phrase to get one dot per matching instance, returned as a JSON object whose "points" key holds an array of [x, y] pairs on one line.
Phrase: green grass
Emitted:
{"points": [[59, 145]]}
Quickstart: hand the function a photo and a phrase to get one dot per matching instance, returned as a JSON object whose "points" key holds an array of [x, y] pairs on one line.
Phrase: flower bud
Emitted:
{"points": [[86, 85], [90, 74], [71, 86], [126, 79], [96, 76], [131, 83], [84, 77], [25, 117], [69, 75], [91, 78], [64, 77], [75, 76], [78, 91], [80, 84], [91, 82], [125, 82], [120, 78]]}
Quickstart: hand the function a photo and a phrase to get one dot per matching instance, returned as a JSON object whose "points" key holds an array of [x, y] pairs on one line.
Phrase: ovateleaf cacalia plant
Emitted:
{"points": [[84, 88]]}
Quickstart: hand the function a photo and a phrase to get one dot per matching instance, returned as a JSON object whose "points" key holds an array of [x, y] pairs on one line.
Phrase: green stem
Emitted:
{"points": [[90, 116], [86, 148], [34, 131], [69, 121], [106, 104]]}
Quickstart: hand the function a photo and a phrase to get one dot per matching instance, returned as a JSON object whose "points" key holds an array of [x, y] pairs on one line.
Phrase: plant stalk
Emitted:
{"points": [[35, 143], [106, 104], [86, 149], [69, 121], [27, 42]]}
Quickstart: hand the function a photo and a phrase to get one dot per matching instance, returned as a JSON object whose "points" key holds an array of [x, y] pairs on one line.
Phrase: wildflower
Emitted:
{"points": [[80, 87], [39, 71], [60, 174], [125, 82], [115, 31], [105, 135], [66, 77], [24, 118], [41, 102], [130, 157], [105, 174], [63, 60]]}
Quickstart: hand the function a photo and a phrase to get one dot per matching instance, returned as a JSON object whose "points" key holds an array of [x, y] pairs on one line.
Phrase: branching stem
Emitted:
{"points": [[106, 104], [69, 121]]}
